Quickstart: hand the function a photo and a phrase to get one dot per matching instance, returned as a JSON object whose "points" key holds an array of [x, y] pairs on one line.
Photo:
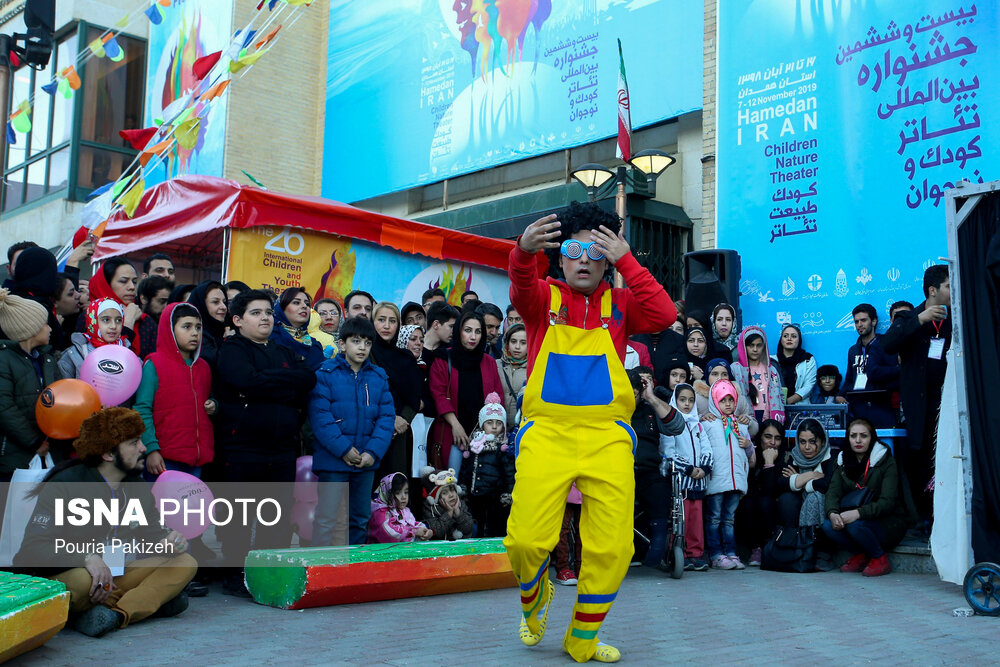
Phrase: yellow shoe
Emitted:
{"points": [[528, 637], [604, 652]]}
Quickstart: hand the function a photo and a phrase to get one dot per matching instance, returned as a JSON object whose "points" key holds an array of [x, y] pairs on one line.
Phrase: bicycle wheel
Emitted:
{"points": [[982, 588], [677, 569]]}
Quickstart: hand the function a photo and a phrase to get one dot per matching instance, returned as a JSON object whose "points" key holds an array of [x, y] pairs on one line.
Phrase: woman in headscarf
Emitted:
{"points": [[209, 297], [36, 278], [460, 382], [697, 351], [724, 328], [117, 280], [291, 326], [798, 480], [407, 384], [798, 367], [867, 527], [513, 369]]}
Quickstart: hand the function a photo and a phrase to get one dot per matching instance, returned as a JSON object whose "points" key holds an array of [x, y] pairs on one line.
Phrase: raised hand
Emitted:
{"points": [[540, 234], [614, 246]]}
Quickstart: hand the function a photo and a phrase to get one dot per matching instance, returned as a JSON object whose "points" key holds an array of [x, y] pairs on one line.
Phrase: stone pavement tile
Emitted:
{"points": [[713, 618]]}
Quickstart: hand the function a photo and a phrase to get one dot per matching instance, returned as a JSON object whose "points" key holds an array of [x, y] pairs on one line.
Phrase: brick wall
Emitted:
{"points": [[708, 236], [276, 111]]}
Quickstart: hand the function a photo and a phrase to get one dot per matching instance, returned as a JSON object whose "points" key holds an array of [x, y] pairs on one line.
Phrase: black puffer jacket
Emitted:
{"points": [[20, 386], [262, 390], [490, 472], [649, 427]]}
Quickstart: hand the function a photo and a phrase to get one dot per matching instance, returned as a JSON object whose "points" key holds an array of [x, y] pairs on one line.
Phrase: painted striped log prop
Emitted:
{"points": [[323, 576], [32, 611]]}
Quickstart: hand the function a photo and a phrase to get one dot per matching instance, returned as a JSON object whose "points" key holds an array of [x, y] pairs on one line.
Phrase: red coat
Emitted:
{"points": [[444, 391], [183, 428], [642, 307]]}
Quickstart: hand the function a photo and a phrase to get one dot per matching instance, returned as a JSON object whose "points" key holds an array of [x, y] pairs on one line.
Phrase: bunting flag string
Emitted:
{"points": [[107, 46], [182, 120]]}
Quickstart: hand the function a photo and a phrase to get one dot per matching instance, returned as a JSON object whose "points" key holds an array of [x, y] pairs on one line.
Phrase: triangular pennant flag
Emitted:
{"points": [[138, 138], [11, 136], [298, 3], [184, 115], [65, 89], [97, 47], [204, 65], [51, 87], [271, 5], [245, 61], [121, 184], [130, 200], [260, 4], [98, 231], [165, 3], [268, 37], [247, 38], [124, 21], [71, 77], [157, 149], [20, 120], [215, 91], [155, 14], [114, 50], [187, 133]]}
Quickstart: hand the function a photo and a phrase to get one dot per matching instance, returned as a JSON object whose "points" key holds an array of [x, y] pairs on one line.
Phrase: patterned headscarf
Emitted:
{"points": [[405, 332], [93, 331]]}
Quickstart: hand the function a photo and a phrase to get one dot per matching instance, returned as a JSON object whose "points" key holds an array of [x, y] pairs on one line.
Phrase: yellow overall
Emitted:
{"points": [[576, 412]]}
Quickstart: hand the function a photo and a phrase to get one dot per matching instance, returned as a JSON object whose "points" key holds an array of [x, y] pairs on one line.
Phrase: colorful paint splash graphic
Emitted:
{"points": [[338, 280], [180, 80], [493, 31], [453, 285]]}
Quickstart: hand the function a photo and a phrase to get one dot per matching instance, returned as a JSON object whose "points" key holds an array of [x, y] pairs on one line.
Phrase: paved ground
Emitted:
{"points": [[705, 618]]}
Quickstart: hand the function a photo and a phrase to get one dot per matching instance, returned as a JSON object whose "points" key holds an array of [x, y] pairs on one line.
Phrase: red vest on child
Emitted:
{"points": [[183, 428]]}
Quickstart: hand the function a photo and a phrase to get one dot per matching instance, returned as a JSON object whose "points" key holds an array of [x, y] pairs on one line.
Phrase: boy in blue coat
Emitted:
{"points": [[352, 416]]}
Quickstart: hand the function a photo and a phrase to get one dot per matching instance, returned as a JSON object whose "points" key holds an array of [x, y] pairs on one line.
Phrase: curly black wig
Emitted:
{"points": [[575, 218]]}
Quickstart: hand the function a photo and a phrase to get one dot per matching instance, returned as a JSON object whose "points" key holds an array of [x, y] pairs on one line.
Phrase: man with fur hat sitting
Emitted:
{"points": [[445, 513], [105, 592]]}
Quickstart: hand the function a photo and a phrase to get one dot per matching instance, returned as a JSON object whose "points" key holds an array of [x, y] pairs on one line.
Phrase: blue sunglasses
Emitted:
{"points": [[574, 249]]}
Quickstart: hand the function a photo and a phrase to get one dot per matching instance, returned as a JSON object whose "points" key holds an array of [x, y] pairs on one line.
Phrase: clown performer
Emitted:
{"points": [[576, 413]]}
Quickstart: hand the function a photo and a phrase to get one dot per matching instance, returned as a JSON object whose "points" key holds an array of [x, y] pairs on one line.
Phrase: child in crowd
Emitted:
{"points": [[758, 377], [567, 568], [261, 388], [103, 326], [352, 415], [27, 365], [173, 397], [445, 513], [490, 477], [691, 455], [732, 458], [392, 520], [677, 371], [828, 380]]}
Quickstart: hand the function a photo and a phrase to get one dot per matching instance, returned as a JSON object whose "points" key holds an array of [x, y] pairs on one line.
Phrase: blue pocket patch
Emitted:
{"points": [[631, 434], [577, 380]]}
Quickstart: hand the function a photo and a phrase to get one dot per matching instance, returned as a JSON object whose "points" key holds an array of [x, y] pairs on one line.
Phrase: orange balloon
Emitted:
{"points": [[62, 407]]}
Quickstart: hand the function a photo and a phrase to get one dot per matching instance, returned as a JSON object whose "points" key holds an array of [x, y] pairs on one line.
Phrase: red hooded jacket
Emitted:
{"points": [[183, 428]]}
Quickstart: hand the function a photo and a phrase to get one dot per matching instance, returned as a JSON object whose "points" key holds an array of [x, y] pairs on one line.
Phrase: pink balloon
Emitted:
{"points": [[306, 483], [302, 519], [190, 492], [114, 371]]}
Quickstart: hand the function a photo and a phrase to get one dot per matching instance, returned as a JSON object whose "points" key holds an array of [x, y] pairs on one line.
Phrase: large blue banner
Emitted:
{"points": [[841, 126], [420, 91]]}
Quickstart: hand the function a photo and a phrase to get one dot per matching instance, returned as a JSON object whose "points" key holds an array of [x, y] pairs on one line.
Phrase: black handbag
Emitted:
{"points": [[855, 498], [790, 551]]}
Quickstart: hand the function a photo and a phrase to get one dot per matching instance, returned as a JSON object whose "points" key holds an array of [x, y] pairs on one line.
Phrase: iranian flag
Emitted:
{"points": [[624, 118]]}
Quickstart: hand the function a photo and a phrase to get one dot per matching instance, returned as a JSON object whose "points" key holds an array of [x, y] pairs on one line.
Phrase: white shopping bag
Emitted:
{"points": [[421, 425], [20, 506]]}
